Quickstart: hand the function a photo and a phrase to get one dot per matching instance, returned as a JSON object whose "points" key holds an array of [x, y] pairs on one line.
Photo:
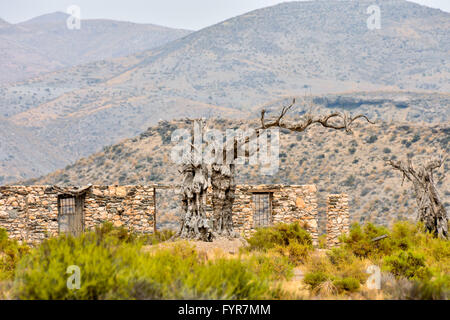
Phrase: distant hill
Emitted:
{"points": [[232, 69], [3, 23], [18, 153], [44, 43], [335, 161]]}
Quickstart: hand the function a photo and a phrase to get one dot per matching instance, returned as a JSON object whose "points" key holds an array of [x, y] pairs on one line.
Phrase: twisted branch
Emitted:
{"points": [[345, 123]]}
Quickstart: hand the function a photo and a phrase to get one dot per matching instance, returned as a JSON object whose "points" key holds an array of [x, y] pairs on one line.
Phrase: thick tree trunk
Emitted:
{"points": [[195, 224], [430, 209], [195, 176], [223, 193], [196, 180], [432, 212]]}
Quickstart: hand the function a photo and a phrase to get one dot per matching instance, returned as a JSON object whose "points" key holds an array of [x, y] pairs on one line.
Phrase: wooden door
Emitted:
{"points": [[71, 214]]}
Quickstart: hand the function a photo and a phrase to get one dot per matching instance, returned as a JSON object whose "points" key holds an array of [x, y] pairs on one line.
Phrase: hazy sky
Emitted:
{"points": [[188, 14]]}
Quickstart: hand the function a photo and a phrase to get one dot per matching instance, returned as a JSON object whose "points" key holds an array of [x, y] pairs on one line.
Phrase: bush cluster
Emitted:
{"points": [[418, 262], [10, 253], [290, 241], [118, 264], [279, 235], [340, 268], [114, 265]]}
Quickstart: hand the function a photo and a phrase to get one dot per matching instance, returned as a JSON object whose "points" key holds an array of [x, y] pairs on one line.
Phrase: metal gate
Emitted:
{"points": [[71, 214]]}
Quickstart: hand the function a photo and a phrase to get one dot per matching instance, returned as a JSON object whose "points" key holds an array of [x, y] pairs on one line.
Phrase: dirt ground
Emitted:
{"points": [[229, 246], [218, 247]]}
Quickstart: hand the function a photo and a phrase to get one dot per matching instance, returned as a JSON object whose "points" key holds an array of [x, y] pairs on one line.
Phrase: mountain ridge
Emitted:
{"points": [[96, 39], [235, 67]]}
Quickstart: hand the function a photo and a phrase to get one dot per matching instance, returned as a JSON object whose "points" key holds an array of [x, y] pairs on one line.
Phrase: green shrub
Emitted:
{"points": [[121, 269], [315, 279], [107, 229], [359, 241], [372, 139], [340, 255], [101, 258], [346, 284], [438, 288], [296, 253], [228, 279], [178, 273], [273, 267], [408, 264], [280, 234], [418, 262], [436, 251], [323, 241], [10, 253], [158, 236], [404, 234], [122, 234]]}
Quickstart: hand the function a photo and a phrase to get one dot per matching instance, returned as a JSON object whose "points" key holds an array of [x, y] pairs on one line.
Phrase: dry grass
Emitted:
{"points": [[6, 292]]}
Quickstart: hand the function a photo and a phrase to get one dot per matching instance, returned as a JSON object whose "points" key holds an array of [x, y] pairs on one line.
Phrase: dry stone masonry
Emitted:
{"points": [[338, 218], [33, 213], [288, 204], [30, 213]]}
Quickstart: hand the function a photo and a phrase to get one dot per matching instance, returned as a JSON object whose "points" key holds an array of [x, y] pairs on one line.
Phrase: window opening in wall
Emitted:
{"points": [[262, 216]]}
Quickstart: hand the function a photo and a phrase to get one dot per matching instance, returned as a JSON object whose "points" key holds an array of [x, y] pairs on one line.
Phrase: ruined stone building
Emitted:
{"points": [[33, 213]]}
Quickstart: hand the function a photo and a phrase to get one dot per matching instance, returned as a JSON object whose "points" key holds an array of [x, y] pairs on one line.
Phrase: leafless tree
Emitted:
{"points": [[431, 210], [197, 178], [195, 182], [220, 176]]}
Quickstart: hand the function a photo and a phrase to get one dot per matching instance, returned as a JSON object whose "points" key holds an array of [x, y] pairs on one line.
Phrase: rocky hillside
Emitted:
{"points": [[235, 67], [335, 161], [14, 162], [45, 44]]}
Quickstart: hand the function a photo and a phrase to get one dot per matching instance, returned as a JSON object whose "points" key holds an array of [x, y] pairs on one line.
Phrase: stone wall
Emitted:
{"points": [[338, 218], [130, 206], [289, 204], [30, 213]]}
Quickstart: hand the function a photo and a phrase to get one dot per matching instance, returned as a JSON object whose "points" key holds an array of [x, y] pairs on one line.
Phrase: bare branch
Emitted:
{"points": [[345, 121]]}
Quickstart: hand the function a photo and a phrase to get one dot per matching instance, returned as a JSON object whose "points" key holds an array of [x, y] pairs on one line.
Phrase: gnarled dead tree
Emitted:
{"points": [[197, 177], [220, 176], [431, 210], [335, 120], [195, 224], [223, 191], [195, 181], [223, 183]]}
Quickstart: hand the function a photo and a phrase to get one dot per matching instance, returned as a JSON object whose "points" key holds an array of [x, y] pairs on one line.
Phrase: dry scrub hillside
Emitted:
{"points": [[335, 161], [45, 43], [320, 47]]}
